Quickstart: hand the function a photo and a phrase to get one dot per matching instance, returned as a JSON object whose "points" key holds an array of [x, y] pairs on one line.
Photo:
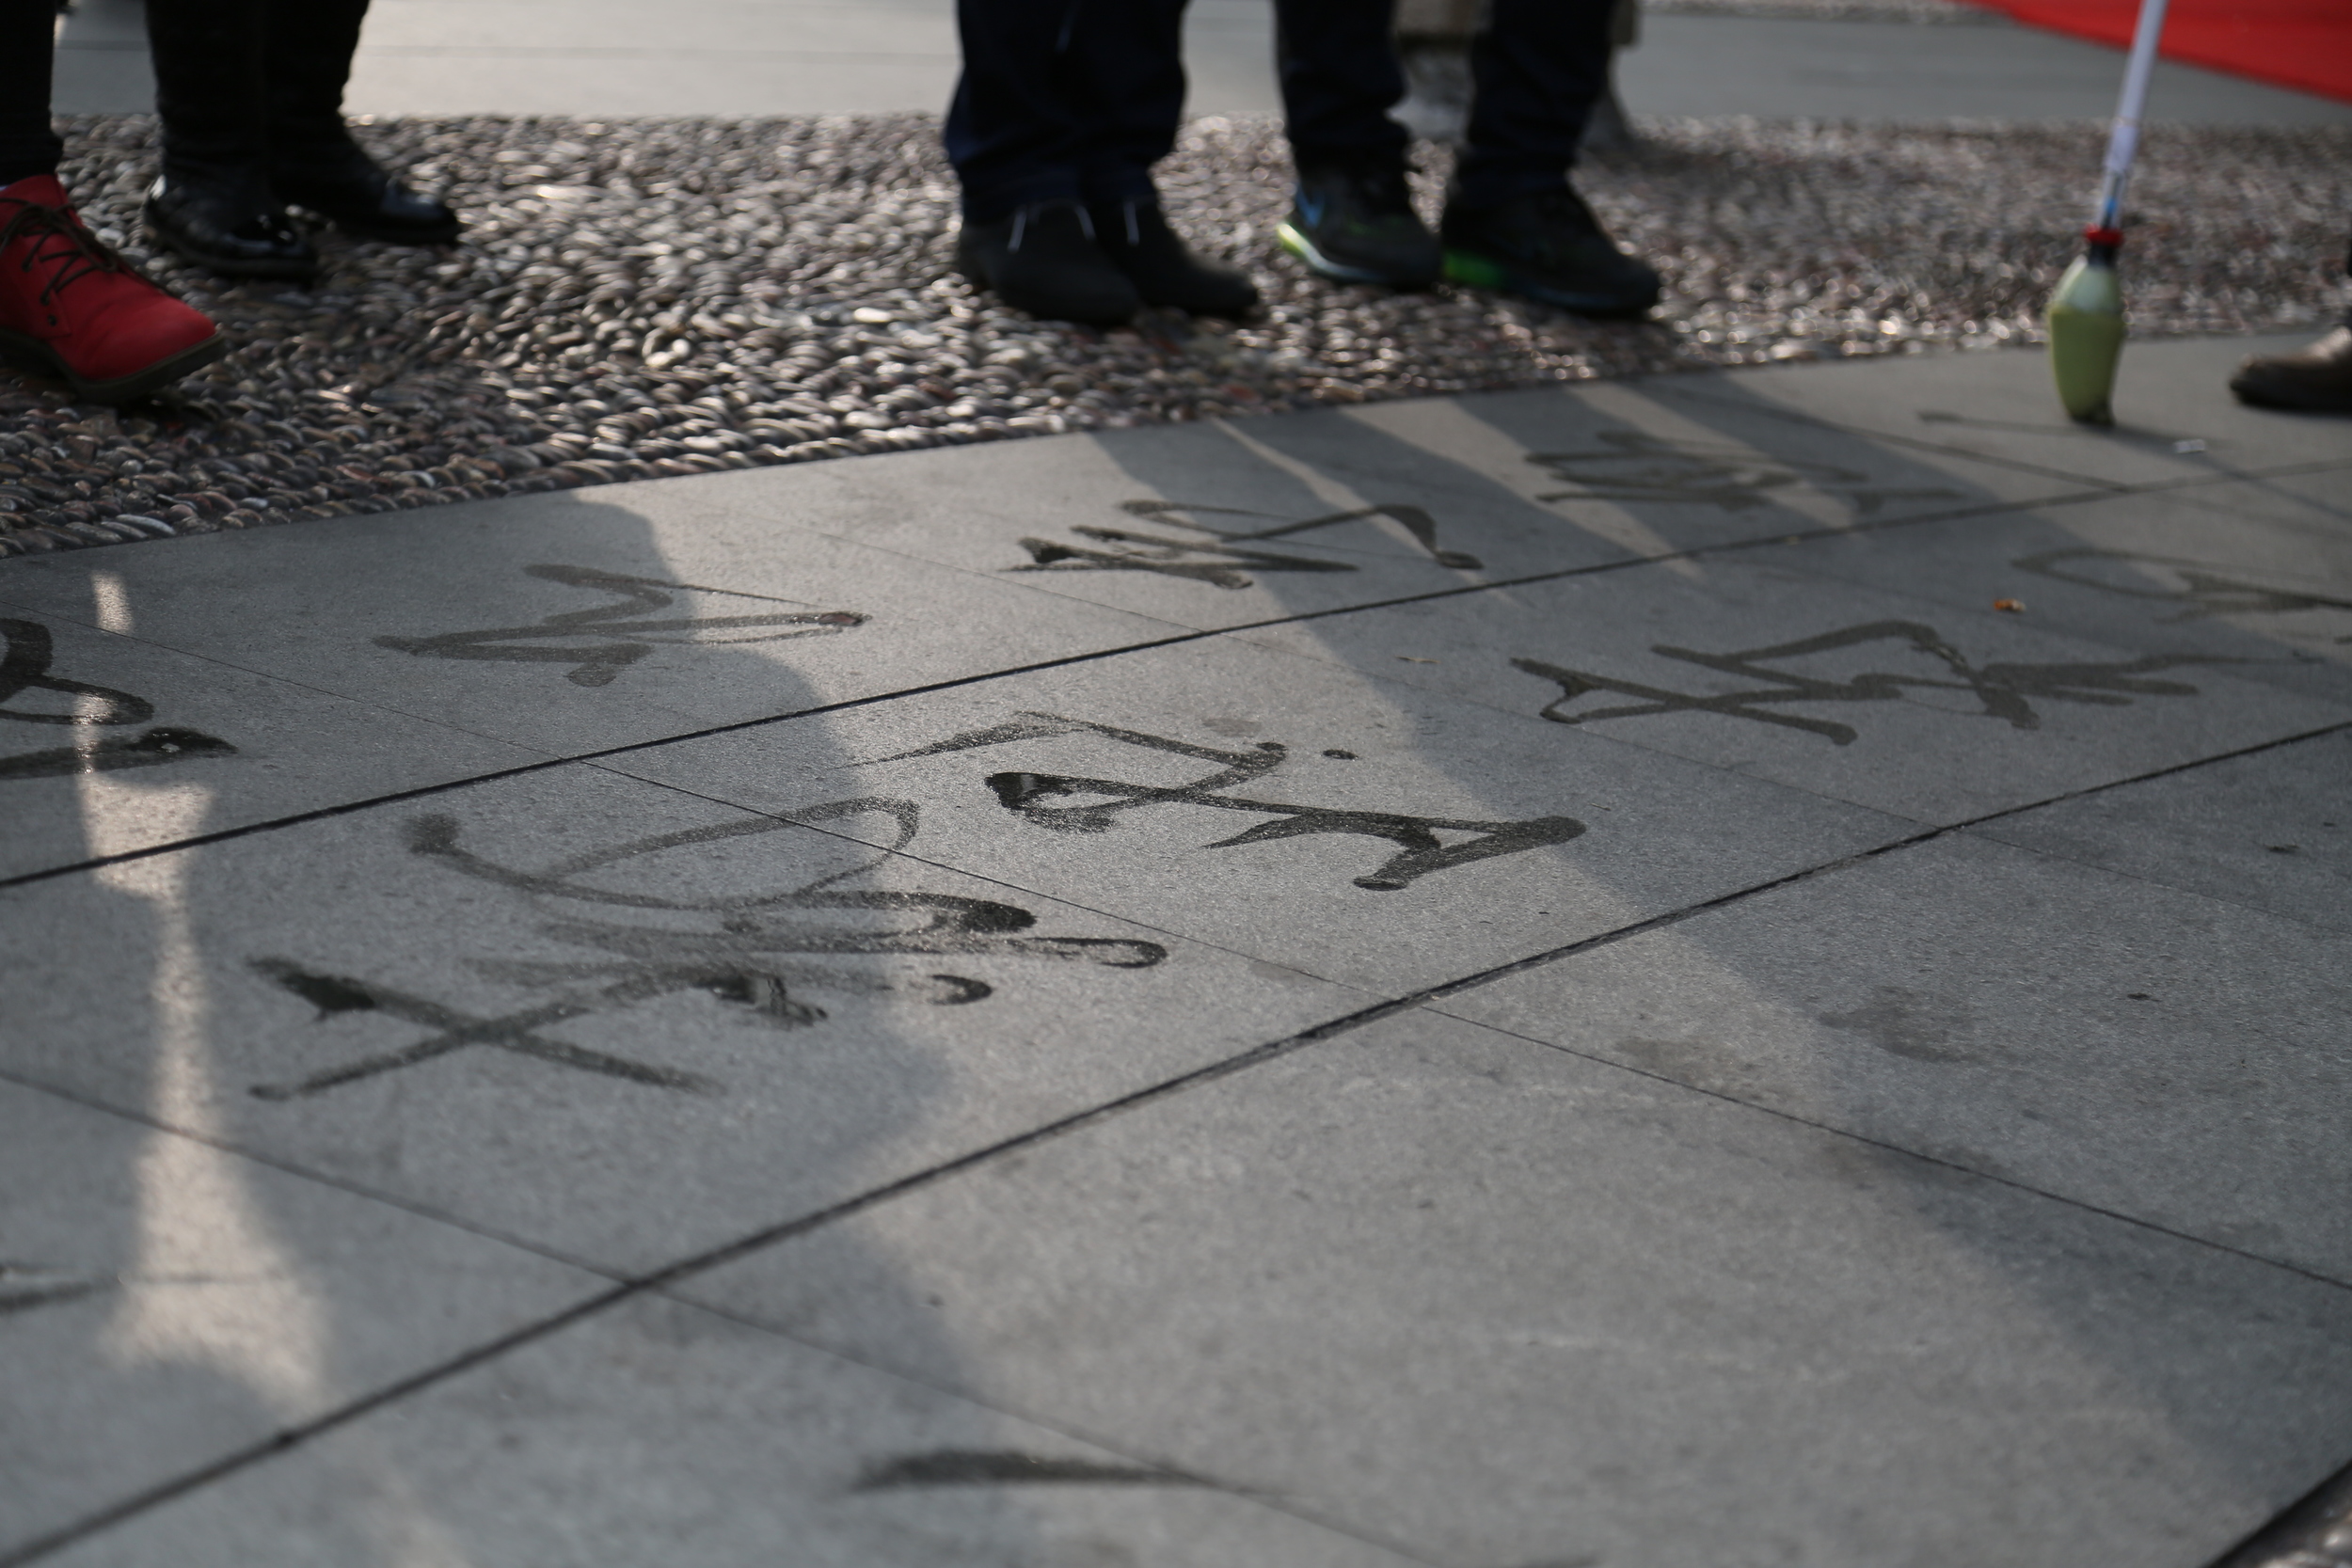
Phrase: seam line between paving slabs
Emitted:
{"points": [[2154, 446], [661, 1281], [425, 791]]}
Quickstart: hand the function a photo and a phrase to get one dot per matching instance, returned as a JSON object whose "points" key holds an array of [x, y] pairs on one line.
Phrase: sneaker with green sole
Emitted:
{"points": [[1547, 247], [1356, 225]]}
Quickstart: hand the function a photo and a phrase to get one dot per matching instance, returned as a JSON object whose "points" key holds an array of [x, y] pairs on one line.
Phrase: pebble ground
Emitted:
{"points": [[646, 297]]}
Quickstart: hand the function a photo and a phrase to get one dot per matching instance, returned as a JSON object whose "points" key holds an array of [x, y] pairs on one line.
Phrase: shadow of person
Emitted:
{"points": [[368, 1103], [1727, 470]]}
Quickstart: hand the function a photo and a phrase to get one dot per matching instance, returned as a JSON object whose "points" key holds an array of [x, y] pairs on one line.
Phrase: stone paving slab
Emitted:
{"points": [[1360, 830], [620, 1022], [2318, 503], [1228, 522], [1196, 525], [1656, 472], [662, 1433], [168, 745], [2148, 1052], [164, 1303], [2272, 831], [2156, 573], [2175, 423], [1047, 848], [1894, 702], [572, 623], [1513, 1308]]}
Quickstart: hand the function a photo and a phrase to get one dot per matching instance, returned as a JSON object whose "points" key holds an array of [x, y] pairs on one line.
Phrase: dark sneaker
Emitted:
{"points": [[2313, 380], [1356, 225], [1547, 246], [1044, 259], [1165, 270], [70, 307]]}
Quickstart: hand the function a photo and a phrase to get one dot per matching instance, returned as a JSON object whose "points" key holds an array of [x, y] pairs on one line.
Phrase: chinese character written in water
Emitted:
{"points": [[760, 954], [603, 639], [2004, 692], [2202, 590], [24, 670], [1217, 555], [1635, 466], [1095, 805]]}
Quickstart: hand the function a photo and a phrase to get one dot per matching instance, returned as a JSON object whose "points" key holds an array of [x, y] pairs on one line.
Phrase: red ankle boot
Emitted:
{"points": [[71, 309]]}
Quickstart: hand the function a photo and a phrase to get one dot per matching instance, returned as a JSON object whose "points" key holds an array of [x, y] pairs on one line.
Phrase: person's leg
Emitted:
{"points": [[1353, 220], [313, 161], [28, 143], [1125, 81], [70, 307], [1512, 220], [214, 204], [307, 62], [1340, 79], [1539, 66], [1128, 88], [212, 86], [1017, 136], [1013, 132]]}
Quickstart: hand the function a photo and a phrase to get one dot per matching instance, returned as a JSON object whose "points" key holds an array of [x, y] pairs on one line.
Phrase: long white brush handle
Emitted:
{"points": [[2123, 140]]}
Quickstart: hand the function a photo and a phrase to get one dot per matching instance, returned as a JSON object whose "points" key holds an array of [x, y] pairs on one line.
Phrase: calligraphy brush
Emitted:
{"points": [[2085, 314]]}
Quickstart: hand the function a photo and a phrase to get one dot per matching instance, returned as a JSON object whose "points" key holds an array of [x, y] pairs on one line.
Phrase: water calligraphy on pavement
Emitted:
{"points": [[601, 641], [1221, 557]]}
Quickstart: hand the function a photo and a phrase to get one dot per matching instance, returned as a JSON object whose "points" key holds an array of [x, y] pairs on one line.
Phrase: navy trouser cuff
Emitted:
{"points": [[987, 203], [1475, 189]]}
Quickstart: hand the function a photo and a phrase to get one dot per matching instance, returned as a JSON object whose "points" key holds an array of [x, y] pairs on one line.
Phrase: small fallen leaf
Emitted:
{"points": [[2015, 606]]}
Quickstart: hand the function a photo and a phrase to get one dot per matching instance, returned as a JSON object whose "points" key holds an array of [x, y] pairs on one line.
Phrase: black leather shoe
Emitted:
{"points": [[2315, 379], [343, 184], [1044, 260], [1137, 237], [1547, 246], [229, 224]]}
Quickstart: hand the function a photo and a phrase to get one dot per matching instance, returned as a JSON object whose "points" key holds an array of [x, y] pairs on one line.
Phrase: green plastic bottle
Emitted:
{"points": [[2086, 320]]}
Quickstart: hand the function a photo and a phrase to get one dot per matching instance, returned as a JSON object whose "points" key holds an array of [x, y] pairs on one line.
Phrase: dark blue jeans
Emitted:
{"points": [[29, 144], [1064, 98], [1539, 67]]}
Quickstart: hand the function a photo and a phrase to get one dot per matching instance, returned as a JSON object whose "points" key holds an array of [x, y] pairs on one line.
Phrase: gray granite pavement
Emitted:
{"points": [[1744, 967]]}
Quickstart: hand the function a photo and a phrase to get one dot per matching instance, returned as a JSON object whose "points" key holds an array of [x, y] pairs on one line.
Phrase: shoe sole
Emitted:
{"points": [[402, 236], [972, 274], [230, 266], [36, 356], [2288, 403], [359, 229], [1473, 271], [1295, 240]]}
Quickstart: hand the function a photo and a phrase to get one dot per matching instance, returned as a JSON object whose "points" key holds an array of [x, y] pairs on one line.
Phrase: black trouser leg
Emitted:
{"points": [[28, 143], [311, 45], [238, 79], [1131, 76], [1340, 80], [1062, 99], [1538, 69], [211, 85]]}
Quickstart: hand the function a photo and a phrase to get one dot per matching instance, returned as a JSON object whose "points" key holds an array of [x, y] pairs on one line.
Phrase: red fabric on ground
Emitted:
{"points": [[2289, 43]]}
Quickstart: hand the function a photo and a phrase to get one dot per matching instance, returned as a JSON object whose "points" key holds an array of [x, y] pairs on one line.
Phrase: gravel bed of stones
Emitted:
{"points": [[653, 297]]}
